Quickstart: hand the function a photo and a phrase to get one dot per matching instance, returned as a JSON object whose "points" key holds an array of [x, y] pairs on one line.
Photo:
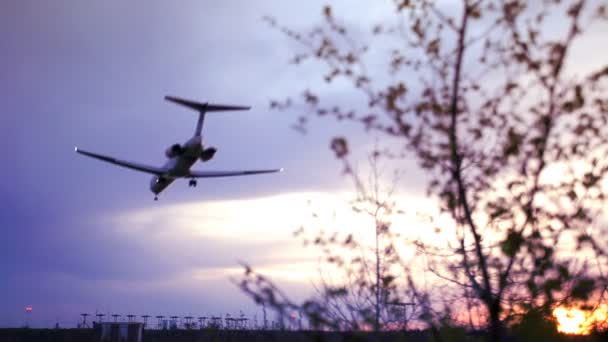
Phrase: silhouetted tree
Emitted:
{"points": [[360, 280], [511, 132]]}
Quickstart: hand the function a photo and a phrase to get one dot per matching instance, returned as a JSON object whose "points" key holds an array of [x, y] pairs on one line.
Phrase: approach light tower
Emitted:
{"points": [[145, 317], [174, 323], [201, 322], [84, 323], [99, 318], [160, 321], [242, 321], [400, 311], [188, 323]]}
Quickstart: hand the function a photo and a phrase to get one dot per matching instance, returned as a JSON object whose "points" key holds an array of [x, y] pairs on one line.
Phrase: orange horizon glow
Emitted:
{"points": [[574, 321]]}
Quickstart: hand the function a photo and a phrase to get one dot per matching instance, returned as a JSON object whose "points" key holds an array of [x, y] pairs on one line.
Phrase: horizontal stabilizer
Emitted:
{"points": [[204, 107]]}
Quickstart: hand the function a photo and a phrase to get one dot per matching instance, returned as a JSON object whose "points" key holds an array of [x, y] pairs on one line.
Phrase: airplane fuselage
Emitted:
{"points": [[178, 166]]}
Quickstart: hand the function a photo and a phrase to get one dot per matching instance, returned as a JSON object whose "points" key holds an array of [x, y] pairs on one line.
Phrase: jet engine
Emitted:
{"points": [[174, 151], [208, 153]]}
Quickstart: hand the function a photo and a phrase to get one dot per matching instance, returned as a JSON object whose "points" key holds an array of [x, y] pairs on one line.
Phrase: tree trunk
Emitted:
{"points": [[377, 318], [495, 333]]}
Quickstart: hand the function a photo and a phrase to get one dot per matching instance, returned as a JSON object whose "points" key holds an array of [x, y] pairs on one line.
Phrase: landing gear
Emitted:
{"points": [[155, 198], [192, 183]]}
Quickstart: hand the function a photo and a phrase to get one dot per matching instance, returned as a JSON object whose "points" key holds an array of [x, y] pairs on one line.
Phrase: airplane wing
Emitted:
{"points": [[210, 174], [134, 166]]}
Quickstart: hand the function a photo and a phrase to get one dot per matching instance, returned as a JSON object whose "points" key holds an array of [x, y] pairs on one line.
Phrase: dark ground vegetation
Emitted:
{"points": [[208, 335]]}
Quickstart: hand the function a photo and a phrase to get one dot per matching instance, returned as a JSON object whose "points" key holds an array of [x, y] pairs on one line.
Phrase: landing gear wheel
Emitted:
{"points": [[192, 183]]}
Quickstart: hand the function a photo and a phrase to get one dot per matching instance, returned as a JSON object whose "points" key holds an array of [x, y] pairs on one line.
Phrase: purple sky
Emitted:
{"points": [[94, 74], [79, 235]]}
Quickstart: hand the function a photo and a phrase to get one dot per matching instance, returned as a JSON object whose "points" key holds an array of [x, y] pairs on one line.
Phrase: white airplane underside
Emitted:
{"points": [[182, 157]]}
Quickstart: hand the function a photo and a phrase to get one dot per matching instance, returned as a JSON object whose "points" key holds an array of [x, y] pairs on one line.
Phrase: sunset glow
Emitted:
{"points": [[579, 322]]}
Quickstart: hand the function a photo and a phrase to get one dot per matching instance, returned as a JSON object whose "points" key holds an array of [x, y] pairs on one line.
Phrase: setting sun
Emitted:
{"points": [[579, 322]]}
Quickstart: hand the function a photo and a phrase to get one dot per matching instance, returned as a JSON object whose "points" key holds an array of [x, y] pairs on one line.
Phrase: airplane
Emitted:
{"points": [[182, 157]]}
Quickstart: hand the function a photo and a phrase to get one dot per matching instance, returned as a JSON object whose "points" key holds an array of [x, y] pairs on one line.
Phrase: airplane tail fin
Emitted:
{"points": [[203, 108]]}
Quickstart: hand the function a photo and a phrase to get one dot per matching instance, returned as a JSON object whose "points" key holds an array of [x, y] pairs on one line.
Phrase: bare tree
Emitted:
{"points": [[513, 137], [360, 279]]}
